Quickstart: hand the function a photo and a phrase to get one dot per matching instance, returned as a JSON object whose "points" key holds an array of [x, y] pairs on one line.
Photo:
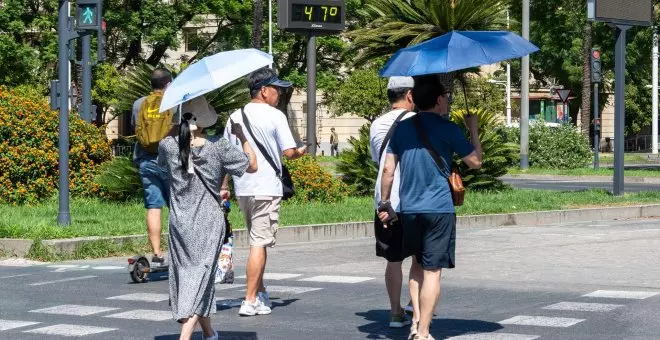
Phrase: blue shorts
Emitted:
{"points": [[155, 182]]}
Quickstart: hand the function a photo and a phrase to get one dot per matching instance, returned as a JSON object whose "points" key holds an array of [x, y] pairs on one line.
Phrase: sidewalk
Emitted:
{"points": [[631, 179]]}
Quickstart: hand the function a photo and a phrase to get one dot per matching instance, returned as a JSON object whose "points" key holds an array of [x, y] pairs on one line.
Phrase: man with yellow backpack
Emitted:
{"points": [[150, 127]]}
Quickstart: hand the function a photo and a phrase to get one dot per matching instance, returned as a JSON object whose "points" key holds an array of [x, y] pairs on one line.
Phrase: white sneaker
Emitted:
{"points": [[265, 298], [252, 309], [214, 337]]}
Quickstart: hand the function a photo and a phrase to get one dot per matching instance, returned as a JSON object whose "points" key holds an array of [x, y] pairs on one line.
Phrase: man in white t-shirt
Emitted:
{"points": [[389, 240], [260, 194]]}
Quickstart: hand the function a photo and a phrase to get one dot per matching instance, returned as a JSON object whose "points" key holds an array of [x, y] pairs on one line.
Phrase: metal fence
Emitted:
{"points": [[123, 150], [641, 143]]}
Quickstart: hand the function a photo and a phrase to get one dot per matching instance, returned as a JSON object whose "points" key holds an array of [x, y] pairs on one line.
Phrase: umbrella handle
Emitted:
{"points": [[467, 108]]}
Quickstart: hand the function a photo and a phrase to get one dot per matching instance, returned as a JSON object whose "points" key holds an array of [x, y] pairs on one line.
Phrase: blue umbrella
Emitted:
{"points": [[212, 73], [457, 50]]}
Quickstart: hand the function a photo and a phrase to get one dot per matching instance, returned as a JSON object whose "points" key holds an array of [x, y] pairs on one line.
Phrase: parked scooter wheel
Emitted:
{"points": [[140, 270]]}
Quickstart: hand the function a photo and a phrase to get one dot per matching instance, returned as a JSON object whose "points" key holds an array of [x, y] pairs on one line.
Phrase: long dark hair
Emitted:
{"points": [[184, 140]]}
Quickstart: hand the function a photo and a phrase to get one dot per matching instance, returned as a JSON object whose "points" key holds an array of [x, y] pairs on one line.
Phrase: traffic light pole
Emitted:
{"points": [[63, 216], [596, 127], [86, 113], [311, 95], [619, 106]]}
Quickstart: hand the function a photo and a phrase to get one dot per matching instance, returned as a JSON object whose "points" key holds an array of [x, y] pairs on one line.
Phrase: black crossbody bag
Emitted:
{"points": [[284, 175]]}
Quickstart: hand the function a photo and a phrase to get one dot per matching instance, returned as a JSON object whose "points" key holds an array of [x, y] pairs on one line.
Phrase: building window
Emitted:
{"points": [[194, 38]]}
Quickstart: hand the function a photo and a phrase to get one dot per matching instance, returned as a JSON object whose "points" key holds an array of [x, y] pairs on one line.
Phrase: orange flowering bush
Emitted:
{"points": [[29, 150], [313, 183]]}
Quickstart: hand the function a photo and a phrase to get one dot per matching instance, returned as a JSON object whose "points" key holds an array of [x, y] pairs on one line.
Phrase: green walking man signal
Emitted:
{"points": [[88, 13]]}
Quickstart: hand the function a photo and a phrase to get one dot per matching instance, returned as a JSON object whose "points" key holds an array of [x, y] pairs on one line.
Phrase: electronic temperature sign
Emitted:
{"points": [[319, 16]]}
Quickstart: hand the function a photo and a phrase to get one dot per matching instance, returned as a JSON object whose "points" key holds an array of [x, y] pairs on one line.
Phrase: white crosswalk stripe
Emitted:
{"points": [[62, 280], [621, 294], [77, 310], [289, 289], [541, 321], [336, 279], [494, 336], [143, 314], [11, 324], [13, 276], [583, 307], [70, 330], [226, 286], [146, 297], [275, 276]]}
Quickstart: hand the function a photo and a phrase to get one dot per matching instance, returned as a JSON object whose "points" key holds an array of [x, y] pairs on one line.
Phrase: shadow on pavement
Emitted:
{"points": [[223, 336], [440, 328]]}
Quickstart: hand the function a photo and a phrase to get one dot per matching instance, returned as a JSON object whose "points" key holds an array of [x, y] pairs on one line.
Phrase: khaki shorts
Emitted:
{"points": [[262, 216]]}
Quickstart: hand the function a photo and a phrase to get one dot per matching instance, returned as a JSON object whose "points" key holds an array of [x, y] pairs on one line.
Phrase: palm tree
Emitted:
{"points": [[585, 104], [258, 21], [396, 24]]}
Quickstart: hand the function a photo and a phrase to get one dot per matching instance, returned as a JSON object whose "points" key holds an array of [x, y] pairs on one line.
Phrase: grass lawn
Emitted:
{"points": [[608, 157], [584, 172], [92, 217]]}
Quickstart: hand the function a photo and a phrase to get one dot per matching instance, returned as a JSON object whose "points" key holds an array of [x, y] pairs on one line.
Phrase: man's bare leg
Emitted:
{"points": [[428, 295], [154, 228], [255, 269], [393, 281], [416, 280]]}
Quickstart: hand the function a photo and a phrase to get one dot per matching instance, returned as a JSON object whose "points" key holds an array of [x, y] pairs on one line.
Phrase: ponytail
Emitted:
{"points": [[184, 140]]}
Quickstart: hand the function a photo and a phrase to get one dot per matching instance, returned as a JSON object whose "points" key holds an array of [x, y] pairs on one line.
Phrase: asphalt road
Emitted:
{"points": [[564, 185], [594, 280]]}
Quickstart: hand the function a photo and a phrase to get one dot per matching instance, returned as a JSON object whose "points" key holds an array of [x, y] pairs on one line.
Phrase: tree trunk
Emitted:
{"points": [[157, 55], [585, 105], [258, 12]]}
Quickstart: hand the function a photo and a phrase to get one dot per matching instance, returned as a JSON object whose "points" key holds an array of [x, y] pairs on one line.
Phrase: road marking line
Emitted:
{"points": [[108, 267], [77, 310], [143, 314], [289, 289], [147, 297], [494, 336], [621, 294], [541, 321], [583, 307], [62, 280], [11, 324], [70, 330], [17, 275], [275, 276], [228, 286], [336, 279]]}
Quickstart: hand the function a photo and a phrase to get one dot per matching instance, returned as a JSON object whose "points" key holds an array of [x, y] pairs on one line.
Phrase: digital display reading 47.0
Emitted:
{"points": [[316, 13]]}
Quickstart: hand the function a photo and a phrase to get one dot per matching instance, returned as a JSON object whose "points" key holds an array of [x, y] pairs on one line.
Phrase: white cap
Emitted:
{"points": [[400, 82], [205, 115]]}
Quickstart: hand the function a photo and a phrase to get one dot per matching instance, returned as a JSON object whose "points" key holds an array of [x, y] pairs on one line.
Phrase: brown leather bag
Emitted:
{"points": [[455, 180]]}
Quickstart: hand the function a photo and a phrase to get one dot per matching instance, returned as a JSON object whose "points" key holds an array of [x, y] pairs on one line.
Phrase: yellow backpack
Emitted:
{"points": [[152, 126]]}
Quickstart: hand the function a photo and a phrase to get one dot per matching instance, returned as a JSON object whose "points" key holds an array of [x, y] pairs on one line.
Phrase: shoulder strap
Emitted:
{"points": [[208, 188], [263, 150], [390, 132], [427, 145]]}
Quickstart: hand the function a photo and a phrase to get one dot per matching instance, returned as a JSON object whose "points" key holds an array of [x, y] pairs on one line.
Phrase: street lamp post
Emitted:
{"points": [[507, 85]]}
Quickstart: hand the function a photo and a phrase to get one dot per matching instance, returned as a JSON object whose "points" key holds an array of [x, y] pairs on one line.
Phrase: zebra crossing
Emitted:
{"points": [[159, 310], [81, 320]]}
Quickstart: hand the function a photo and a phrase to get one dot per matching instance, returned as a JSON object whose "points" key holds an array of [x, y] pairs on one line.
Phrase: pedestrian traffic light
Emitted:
{"points": [[88, 15], [596, 69]]}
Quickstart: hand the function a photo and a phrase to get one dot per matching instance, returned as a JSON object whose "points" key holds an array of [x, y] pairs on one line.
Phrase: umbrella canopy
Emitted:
{"points": [[211, 73], [457, 50]]}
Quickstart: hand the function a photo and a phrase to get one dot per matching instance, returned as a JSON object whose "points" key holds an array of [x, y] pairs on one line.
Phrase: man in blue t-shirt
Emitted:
{"points": [[428, 215]]}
